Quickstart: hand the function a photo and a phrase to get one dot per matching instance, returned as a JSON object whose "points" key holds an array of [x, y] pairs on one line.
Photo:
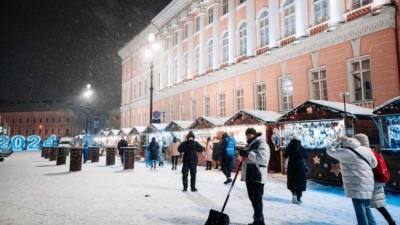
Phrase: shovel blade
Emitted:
{"points": [[217, 218]]}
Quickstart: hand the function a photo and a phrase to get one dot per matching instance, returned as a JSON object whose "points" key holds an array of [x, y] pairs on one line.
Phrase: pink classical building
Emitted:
{"points": [[216, 57]]}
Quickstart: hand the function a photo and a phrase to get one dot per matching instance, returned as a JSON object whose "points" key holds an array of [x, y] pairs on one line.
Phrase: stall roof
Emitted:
{"points": [[113, 132], [178, 125], [390, 107], [204, 122], [138, 129], [104, 132], [155, 127], [245, 116], [125, 131], [313, 110]]}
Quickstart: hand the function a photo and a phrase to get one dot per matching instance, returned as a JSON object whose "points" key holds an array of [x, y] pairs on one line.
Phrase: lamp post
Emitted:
{"points": [[149, 52], [88, 93], [344, 96]]}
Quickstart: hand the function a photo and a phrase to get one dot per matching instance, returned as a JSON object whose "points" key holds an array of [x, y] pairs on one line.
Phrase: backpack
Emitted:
{"points": [[381, 173]]}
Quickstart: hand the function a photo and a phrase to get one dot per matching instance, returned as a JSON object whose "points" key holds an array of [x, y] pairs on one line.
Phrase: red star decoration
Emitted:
{"points": [[316, 160], [335, 168], [309, 110]]}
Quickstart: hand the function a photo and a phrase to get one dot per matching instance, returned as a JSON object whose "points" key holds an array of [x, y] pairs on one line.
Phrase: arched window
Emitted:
{"points": [[210, 53], [264, 29], [225, 47], [185, 61], [243, 39], [289, 18], [197, 52]]}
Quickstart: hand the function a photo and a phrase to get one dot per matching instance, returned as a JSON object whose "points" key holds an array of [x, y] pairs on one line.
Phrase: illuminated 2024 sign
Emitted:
{"points": [[19, 142]]}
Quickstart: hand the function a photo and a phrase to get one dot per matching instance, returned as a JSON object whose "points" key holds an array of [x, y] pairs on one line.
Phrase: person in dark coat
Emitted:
{"points": [[216, 156], [85, 152], [154, 148], [296, 169], [122, 143], [189, 148]]}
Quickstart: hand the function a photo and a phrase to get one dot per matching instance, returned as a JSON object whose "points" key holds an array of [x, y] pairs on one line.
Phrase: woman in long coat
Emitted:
{"points": [[153, 147], [216, 154], [208, 153], [173, 148], [296, 169]]}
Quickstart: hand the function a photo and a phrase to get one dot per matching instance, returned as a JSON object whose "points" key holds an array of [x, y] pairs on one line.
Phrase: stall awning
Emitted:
{"points": [[138, 129], [390, 107], [155, 127], [125, 131], [247, 116], [178, 125], [205, 122], [313, 110]]}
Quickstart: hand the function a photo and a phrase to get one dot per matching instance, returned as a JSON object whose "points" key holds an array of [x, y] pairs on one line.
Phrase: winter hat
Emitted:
{"points": [[224, 135], [251, 130], [363, 139], [190, 134], [296, 137], [351, 142]]}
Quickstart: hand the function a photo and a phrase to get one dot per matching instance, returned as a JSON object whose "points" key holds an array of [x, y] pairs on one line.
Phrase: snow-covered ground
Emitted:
{"points": [[36, 191]]}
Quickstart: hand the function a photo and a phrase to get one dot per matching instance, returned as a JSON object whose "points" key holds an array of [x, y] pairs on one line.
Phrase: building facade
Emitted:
{"points": [[216, 57]]}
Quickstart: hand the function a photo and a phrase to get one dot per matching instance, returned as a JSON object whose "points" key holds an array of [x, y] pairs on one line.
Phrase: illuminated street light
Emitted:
{"points": [[153, 47], [87, 93]]}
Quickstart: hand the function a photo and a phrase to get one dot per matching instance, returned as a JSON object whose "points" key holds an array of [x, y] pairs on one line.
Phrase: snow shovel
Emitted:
{"points": [[219, 218]]}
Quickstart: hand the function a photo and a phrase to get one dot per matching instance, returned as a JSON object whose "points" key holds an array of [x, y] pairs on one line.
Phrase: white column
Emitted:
{"points": [[273, 24], [251, 31], [215, 34], [336, 11], [170, 58], [162, 62], [202, 40], [179, 52], [301, 18], [232, 32], [189, 17]]}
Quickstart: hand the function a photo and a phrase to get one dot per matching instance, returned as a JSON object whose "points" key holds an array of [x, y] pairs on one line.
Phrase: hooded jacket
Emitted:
{"points": [[255, 167], [153, 147], [357, 176]]}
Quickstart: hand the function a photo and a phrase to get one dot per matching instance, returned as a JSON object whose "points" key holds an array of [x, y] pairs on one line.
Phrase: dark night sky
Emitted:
{"points": [[50, 49]]}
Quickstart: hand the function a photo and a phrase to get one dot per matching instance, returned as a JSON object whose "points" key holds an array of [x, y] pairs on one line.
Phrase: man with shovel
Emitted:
{"points": [[254, 171]]}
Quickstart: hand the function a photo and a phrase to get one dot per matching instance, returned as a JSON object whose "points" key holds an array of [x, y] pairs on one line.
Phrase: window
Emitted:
{"points": [[171, 109], [185, 31], [224, 7], [175, 38], [40, 120], [33, 131], [221, 105], [197, 60], [185, 61], [210, 15], [225, 47], [320, 11], [12, 121], [182, 111], [52, 131], [241, 1], [361, 82], [53, 119], [260, 97], [286, 93], [58, 131], [198, 23], [40, 131], [175, 70], [239, 95], [67, 131], [59, 119], [26, 132], [207, 106], [243, 39], [193, 109], [359, 3], [289, 18], [19, 132], [45, 131], [134, 91], [319, 90], [140, 89], [210, 53], [145, 87], [33, 120], [264, 29], [20, 120], [67, 119], [12, 132], [27, 120], [117, 118]]}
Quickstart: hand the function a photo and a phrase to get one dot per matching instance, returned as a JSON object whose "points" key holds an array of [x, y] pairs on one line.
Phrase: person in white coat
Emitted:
{"points": [[254, 171], [378, 199], [357, 176]]}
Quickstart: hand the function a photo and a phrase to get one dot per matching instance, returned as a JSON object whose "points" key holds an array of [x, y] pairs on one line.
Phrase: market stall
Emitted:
{"points": [[126, 132], [262, 121], [178, 129], [318, 122], [387, 120]]}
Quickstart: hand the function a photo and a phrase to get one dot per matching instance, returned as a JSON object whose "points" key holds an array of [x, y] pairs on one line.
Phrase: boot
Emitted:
{"points": [[228, 181], [209, 165], [176, 165], [294, 199]]}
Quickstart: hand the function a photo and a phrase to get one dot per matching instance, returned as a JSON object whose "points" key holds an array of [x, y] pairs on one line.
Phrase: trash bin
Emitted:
{"points": [[75, 161], [61, 156], [110, 156], [42, 152], [94, 153], [129, 157], [53, 153], [46, 152]]}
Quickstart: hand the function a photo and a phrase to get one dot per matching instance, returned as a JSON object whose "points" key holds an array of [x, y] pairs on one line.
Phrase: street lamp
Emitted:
{"points": [[88, 93], [344, 96], [153, 47]]}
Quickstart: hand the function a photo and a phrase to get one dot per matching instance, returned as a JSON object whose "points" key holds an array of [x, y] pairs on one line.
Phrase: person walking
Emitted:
{"points": [[254, 171], [148, 159], [122, 144], [173, 148], [85, 152], [154, 148], [296, 169], [189, 148], [208, 153], [356, 163], [227, 154], [216, 156], [378, 199]]}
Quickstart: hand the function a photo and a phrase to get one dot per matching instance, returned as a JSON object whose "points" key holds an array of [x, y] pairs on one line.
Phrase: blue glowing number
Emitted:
{"points": [[50, 142], [4, 142], [33, 141], [17, 142]]}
